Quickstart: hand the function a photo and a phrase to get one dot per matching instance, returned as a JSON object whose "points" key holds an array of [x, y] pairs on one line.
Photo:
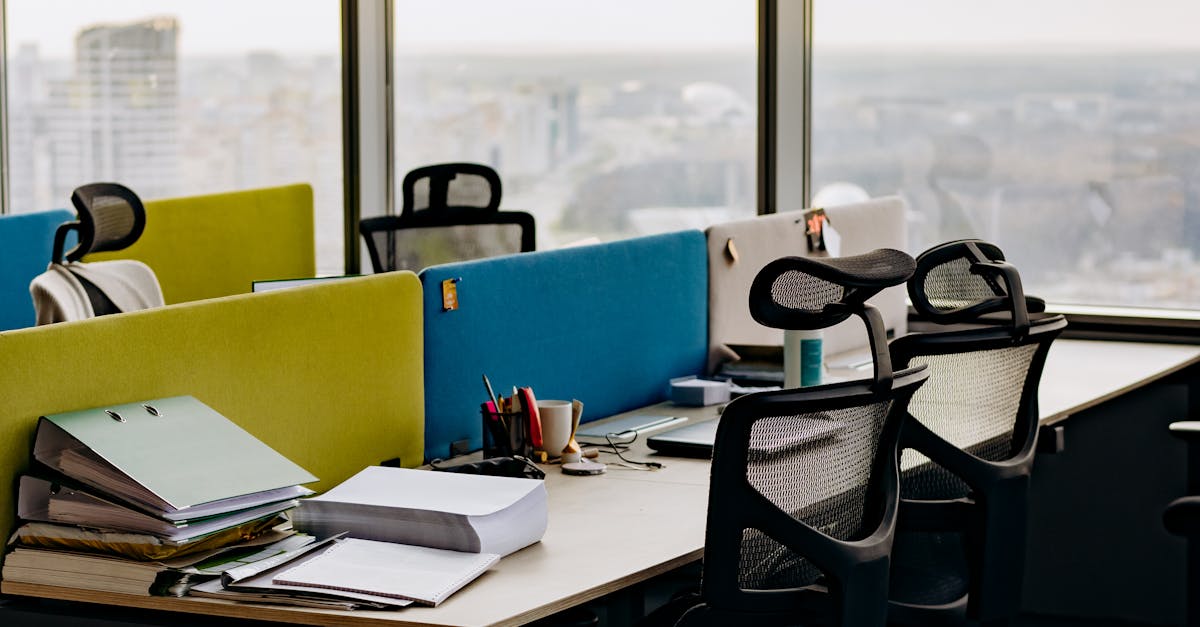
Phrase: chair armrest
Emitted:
{"points": [[1187, 430], [950, 515], [1182, 516]]}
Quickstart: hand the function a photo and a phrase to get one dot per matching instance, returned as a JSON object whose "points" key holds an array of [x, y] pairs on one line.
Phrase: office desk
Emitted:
{"points": [[626, 526], [605, 533], [1081, 374]]}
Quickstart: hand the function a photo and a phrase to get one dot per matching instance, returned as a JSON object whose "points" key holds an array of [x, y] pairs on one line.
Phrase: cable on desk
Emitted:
{"points": [[629, 463]]}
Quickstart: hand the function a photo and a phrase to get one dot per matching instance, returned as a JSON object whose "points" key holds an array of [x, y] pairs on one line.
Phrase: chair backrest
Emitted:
{"points": [[450, 213], [111, 217], [804, 491], [971, 434], [451, 187]]}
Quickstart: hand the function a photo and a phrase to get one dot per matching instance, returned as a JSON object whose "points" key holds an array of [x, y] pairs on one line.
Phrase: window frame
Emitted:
{"points": [[4, 135]]}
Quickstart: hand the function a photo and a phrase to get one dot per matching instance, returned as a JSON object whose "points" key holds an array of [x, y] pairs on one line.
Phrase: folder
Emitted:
{"points": [[44, 501], [175, 458]]}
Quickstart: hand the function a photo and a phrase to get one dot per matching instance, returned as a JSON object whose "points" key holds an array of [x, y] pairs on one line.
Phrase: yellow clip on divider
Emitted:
{"points": [[330, 375], [217, 245]]}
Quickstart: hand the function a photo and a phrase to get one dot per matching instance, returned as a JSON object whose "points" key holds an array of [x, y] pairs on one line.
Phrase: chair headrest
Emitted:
{"points": [[961, 280], [110, 217], [453, 187], [800, 293]]}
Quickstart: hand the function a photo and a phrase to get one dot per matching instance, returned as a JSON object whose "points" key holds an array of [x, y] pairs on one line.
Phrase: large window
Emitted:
{"points": [[176, 98], [1067, 131], [606, 119]]}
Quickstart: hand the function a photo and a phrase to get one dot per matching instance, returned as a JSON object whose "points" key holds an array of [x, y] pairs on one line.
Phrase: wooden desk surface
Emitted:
{"points": [[605, 533], [614, 530], [1080, 374]]}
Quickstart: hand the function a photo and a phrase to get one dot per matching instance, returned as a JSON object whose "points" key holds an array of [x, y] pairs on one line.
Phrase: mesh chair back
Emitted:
{"points": [[816, 467], [397, 243], [977, 414], [111, 217], [450, 214], [813, 293], [961, 280], [803, 501], [971, 433], [800, 293], [804, 488], [451, 186]]}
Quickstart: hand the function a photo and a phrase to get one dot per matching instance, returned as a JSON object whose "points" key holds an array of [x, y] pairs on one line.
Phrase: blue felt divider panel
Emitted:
{"points": [[608, 324], [26, 240]]}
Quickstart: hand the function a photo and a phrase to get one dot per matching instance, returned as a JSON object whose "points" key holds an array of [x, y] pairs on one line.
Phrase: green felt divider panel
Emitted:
{"points": [[329, 375], [217, 245]]}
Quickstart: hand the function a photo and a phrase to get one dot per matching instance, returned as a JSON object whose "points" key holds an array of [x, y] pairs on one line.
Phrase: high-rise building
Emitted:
{"points": [[24, 85], [116, 119]]}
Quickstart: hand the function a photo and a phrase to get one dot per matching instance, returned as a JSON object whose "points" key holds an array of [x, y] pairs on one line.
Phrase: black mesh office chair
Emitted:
{"points": [[804, 483], [110, 217], [968, 444], [450, 213], [1182, 516]]}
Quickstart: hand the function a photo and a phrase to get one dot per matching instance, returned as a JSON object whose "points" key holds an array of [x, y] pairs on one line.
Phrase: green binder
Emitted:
{"points": [[176, 458]]}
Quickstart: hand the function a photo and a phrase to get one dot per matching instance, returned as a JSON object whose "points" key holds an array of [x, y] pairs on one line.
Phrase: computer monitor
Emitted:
{"points": [[738, 250]]}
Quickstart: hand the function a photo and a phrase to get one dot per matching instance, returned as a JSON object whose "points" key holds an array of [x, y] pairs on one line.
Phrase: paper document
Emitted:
{"points": [[398, 571]]}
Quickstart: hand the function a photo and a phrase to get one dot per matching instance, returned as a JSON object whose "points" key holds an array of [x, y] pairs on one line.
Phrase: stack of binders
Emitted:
{"points": [[391, 537], [150, 498]]}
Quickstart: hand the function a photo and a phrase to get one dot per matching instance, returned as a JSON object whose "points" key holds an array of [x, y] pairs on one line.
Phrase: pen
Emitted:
{"points": [[491, 393]]}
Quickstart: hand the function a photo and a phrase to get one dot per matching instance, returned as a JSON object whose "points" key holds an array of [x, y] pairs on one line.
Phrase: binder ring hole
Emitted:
{"points": [[152, 410], [114, 415]]}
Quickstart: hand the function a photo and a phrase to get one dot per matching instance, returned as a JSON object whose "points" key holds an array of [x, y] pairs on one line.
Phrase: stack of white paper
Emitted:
{"points": [[445, 510]]}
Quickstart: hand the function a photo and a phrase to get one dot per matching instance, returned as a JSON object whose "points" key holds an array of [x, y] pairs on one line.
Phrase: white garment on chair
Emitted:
{"points": [[58, 296]]}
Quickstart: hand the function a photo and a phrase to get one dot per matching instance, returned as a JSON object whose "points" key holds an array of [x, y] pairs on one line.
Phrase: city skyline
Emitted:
{"points": [[1079, 166]]}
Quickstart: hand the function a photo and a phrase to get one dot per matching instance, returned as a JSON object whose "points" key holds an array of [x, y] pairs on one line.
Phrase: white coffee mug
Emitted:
{"points": [[556, 425]]}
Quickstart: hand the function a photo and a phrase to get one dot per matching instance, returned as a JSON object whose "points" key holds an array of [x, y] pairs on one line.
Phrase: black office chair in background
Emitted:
{"points": [[804, 486], [110, 217], [968, 444], [450, 213], [1182, 516]]}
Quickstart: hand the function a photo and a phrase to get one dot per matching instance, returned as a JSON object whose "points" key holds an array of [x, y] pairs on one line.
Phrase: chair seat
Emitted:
{"points": [[928, 568]]}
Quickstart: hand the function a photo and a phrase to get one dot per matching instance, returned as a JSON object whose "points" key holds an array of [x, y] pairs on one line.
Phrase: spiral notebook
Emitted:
{"points": [[398, 571]]}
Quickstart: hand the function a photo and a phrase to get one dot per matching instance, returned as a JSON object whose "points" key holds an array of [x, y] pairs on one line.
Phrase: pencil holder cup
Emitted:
{"points": [[505, 434]]}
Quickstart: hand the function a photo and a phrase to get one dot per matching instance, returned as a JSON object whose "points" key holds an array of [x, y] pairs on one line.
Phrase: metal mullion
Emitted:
{"points": [[4, 135]]}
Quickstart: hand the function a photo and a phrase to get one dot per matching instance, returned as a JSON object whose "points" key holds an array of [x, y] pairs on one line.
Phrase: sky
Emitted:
{"points": [[225, 26], [1106, 24], [216, 26]]}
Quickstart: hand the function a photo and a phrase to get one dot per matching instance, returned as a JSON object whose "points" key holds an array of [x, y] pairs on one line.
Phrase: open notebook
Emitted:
{"points": [[398, 571]]}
